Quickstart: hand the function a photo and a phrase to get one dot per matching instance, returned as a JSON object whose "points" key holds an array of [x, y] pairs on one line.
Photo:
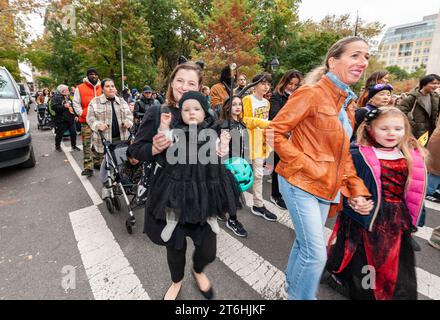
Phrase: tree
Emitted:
{"points": [[98, 39], [276, 22], [227, 38], [344, 27], [13, 32], [398, 73]]}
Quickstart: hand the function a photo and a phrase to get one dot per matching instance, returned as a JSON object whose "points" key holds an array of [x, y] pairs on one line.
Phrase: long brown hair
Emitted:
{"points": [[408, 141], [225, 113], [335, 51], [285, 80], [184, 66]]}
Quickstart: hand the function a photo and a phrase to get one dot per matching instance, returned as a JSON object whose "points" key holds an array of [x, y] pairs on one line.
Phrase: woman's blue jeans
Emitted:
{"points": [[308, 255], [433, 183]]}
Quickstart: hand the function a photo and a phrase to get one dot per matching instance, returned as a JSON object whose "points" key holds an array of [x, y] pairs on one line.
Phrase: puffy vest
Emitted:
{"points": [[87, 93]]}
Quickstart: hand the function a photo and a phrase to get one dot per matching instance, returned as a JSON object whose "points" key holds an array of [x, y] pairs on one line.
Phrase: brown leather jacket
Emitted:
{"points": [[312, 144]]}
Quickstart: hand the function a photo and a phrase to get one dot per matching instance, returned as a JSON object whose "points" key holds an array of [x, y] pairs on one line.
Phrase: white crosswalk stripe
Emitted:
{"points": [[428, 284]]}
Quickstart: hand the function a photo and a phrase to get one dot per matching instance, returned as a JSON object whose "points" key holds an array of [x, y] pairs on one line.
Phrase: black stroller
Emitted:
{"points": [[43, 117], [118, 183]]}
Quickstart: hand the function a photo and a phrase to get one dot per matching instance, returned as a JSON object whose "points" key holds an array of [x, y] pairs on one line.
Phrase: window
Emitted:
{"points": [[426, 51], [416, 59], [428, 43], [419, 43], [425, 59], [417, 51], [7, 90], [405, 49]]}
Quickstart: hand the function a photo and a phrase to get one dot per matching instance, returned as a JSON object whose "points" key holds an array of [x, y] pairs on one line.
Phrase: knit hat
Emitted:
{"points": [[373, 90], [92, 70], [147, 89], [201, 98]]}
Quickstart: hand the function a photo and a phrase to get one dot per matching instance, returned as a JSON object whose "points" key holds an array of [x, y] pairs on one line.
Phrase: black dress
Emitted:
{"points": [[195, 192]]}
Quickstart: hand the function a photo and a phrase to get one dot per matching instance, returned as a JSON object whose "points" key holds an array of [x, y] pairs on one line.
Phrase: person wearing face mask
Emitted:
{"points": [[84, 93], [111, 115]]}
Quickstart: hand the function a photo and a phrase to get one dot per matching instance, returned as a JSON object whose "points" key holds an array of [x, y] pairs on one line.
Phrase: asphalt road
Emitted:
{"points": [[50, 229]]}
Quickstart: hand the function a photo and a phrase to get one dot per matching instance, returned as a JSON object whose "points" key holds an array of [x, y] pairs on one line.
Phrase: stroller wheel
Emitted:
{"points": [[109, 204], [116, 203], [129, 227]]}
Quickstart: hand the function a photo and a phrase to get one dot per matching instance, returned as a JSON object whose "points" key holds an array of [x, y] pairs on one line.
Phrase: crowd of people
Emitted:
{"points": [[362, 158]]}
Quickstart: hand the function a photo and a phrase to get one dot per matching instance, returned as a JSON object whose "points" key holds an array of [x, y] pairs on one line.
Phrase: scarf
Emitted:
{"points": [[343, 116]]}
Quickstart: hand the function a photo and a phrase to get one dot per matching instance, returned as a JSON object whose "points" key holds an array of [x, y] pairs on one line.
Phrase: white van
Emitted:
{"points": [[15, 137]]}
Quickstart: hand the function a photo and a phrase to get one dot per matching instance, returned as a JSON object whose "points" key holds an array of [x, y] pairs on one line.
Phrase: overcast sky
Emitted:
{"points": [[389, 12]]}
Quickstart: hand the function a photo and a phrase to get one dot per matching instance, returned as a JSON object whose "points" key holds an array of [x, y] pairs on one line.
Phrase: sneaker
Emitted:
{"points": [[87, 172], [434, 241], [76, 148], [58, 148], [263, 212], [435, 197], [236, 227], [221, 218], [279, 202]]}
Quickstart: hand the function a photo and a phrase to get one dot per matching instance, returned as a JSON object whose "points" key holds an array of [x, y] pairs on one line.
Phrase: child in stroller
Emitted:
{"points": [[121, 174], [43, 117]]}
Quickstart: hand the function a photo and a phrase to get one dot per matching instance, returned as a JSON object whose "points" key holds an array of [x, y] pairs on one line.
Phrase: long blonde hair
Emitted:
{"points": [[408, 141]]}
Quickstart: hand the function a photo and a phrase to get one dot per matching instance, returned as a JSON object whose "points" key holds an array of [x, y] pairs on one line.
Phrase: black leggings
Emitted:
{"points": [[203, 255], [275, 189]]}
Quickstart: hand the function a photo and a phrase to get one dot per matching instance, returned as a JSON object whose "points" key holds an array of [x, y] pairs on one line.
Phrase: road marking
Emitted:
{"points": [[96, 199], [432, 205], [110, 275], [428, 284], [257, 272]]}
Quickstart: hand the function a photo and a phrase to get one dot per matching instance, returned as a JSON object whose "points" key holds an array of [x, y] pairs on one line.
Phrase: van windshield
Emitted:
{"points": [[7, 90]]}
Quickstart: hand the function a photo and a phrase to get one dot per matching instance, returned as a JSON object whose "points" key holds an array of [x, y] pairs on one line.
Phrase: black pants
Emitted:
{"points": [[61, 127], [203, 255], [275, 189]]}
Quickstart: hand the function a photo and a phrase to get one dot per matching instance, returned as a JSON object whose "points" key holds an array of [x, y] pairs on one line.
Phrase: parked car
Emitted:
{"points": [[26, 95], [15, 137]]}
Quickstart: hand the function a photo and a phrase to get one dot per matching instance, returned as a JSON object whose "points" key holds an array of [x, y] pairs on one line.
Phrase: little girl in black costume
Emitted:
{"points": [[186, 197]]}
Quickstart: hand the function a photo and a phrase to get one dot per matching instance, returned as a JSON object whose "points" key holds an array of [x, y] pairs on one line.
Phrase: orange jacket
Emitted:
{"points": [[84, 93], [312, 144], [218, 94]]}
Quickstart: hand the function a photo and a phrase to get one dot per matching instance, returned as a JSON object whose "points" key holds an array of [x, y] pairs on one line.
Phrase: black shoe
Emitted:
{"points": [[435, 197], [207, 294], [414, 244], [76, 148], [263, 212], [58, 148], [87, 172], [279, 202], [221, 218], [236, 227], [337, 284]]}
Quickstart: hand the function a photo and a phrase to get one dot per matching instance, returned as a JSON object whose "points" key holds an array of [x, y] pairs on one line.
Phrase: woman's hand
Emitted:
{"points": [[102, 127], [361, 205], [160, 143], [223, 146], [165, 121]]}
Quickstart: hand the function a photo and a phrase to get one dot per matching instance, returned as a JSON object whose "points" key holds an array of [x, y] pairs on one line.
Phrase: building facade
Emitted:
{"points": [[412, 45]]}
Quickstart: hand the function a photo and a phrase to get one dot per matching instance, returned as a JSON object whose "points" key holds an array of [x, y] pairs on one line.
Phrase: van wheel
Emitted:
{"points": [[30, 163]]}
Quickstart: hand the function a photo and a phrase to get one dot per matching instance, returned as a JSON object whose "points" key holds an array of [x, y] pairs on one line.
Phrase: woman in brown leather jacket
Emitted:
{"points": [[311, 135]]}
